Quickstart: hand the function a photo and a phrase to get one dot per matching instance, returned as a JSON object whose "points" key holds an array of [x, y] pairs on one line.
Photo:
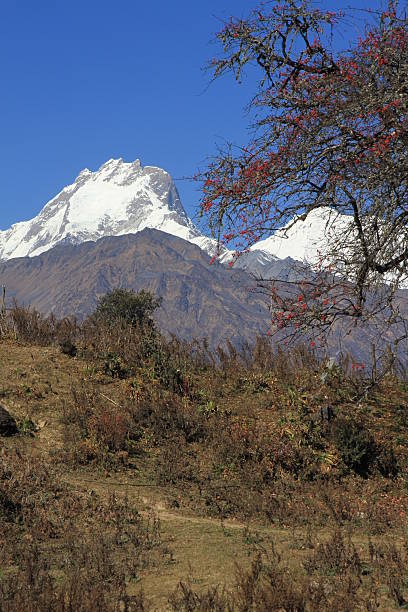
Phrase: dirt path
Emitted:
{"points": [[204, 551], [105, 487]]}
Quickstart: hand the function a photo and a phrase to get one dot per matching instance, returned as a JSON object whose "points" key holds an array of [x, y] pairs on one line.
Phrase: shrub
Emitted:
{"points": [[113, 366], [110, 427], [356, 447], [68, 347], [387, 463], [126, 305]]}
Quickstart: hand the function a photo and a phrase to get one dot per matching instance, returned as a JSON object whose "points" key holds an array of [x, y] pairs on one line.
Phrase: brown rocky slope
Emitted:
{"points": [[199, 300]]}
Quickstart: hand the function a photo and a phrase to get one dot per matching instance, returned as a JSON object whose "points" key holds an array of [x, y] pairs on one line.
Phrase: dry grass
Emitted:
{"points": [[209, 482]]}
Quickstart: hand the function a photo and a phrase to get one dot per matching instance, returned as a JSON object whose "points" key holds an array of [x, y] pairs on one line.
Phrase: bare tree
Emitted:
{"points": [[331, 133]]}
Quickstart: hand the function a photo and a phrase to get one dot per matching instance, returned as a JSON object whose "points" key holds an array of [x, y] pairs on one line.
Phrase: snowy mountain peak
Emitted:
{"points": [[124, 198], [306, 239], [118, 198]]}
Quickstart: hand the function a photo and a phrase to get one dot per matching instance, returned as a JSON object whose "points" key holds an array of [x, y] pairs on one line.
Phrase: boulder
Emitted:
{"points": [[8, 425]]}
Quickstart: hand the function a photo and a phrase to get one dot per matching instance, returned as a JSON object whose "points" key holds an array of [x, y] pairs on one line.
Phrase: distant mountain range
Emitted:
{"points": [[123, 198], [125, 226], [198, 299], [120, 198]]}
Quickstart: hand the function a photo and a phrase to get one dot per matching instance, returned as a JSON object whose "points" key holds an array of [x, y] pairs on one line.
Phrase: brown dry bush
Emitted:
{"points": [[171, 417], [336, 556], [337, 577], [63, 550], [391, 564], [267, 585], [30, 326], [26, 490], [96, 428], [111, 428], [177, 464]]}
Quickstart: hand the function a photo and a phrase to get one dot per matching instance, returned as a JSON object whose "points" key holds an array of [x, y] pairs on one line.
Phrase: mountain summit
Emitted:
{"points": [[125, 198], [119, 198]]}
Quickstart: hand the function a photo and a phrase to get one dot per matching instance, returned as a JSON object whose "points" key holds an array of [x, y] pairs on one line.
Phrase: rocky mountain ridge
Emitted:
{"points": [[199, 300], [119, 198], [124, 198]]}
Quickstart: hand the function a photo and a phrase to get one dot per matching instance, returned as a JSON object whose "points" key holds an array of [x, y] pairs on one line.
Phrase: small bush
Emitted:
{"points": [[355, 445], [126, 305], [114, 367], [387, 463], [171, 417], [335, 556], [68, 347], [110, 427]]}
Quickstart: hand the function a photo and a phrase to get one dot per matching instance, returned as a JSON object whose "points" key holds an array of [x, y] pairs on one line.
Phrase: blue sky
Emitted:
{"points": [[86, 81]]}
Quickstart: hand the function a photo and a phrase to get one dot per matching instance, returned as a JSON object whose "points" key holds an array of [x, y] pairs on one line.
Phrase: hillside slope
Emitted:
{"points": [[198, 299]]}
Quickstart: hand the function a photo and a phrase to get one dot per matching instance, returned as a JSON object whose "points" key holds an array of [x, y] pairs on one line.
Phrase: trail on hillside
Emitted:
{"points": [[103, 487]]}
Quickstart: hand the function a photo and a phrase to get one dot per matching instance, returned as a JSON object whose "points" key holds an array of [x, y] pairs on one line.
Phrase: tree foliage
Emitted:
{"points": [[331, 133], [126, 305]]}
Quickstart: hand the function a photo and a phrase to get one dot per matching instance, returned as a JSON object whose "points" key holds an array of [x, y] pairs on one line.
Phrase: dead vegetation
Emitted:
{"points": [[311, 459]]}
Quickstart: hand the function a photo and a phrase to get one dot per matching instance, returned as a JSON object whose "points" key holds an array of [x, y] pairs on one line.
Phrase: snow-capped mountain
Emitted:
{"points": [[296, 249], [325, 233], [305, 240], [124, 198], [279, 255], [119, 198]]}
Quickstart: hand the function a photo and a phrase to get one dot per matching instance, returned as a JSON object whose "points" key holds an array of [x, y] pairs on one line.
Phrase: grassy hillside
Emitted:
{"points": [[155, 475]]}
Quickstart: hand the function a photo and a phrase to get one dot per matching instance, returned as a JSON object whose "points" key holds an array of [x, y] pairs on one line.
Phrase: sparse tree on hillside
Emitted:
{"points": [[330, 130], [126, 305]]}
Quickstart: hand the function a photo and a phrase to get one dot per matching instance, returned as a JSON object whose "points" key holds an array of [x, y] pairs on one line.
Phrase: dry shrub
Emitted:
{"points": [[63, 550], [391, 564], [176, 464], [266, 449], [267, 585], [98, 426], [360, 453], [185, 599], [29, 495], [111, 428], [336, 556], [336, 578], [32, 587], [171, 417], [284, 363], [33, 327], [95, 427], [133, 345]]}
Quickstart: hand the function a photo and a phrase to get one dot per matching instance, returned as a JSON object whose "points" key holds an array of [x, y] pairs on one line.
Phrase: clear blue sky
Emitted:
{"points": [[83, 81]]}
